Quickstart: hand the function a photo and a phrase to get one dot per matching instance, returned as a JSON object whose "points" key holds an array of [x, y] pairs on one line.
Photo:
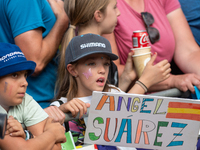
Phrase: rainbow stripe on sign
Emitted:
{"points": [[180, 110]]}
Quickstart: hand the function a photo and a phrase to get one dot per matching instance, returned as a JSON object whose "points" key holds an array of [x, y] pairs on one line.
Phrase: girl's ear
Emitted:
{"points": [[71, 69], [98, 16]]}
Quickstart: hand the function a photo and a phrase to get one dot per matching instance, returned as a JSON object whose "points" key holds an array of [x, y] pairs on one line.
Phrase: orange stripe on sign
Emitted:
{"points": [[195, 117], [183, 105]]}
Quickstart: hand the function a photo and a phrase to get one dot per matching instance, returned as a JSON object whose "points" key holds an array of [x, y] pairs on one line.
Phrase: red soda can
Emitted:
{"points": [[140, 39]]}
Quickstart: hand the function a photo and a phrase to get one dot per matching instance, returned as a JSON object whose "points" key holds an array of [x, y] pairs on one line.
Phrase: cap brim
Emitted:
{"points": [[20, 66], [111, 55]]}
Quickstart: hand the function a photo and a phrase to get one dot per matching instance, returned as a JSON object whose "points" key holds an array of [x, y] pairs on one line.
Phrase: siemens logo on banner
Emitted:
{"points": [[93, 45]]}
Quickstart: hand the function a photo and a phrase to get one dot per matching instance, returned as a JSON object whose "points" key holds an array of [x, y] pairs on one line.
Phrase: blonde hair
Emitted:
{"points": [[80, 13]]}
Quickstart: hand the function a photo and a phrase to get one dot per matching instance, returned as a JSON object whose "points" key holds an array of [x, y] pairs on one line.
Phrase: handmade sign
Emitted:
{"points": [[143, 121]]}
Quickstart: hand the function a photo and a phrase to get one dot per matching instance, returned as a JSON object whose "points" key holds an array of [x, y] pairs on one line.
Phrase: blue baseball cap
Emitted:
{"points": [[87, 44], [13, 60]]}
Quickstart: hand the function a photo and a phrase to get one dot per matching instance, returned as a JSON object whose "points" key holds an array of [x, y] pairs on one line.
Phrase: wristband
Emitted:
{"points": [[29, 135], [142, 85]]}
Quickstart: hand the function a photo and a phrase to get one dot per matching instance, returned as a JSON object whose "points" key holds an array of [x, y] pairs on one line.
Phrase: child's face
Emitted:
{"points": [[12, 89], [110, 17], [92, 72]]}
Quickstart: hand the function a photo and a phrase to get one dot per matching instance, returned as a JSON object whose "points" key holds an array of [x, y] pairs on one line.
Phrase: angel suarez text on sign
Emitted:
{"points": [[143, 128]]}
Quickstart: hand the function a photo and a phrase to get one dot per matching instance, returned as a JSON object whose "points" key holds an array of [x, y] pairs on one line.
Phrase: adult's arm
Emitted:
{"points": [[186, 56], [41, 50], [187, 52]]}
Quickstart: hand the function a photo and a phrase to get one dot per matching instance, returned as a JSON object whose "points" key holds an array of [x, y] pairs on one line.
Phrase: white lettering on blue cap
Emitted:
{"points": [[7, 56]]}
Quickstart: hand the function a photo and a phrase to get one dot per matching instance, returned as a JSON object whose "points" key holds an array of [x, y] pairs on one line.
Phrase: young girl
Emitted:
{"points": [[88, 16], [87, 65]]}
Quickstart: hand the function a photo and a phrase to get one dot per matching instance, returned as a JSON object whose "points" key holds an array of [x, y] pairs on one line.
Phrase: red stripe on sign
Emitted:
{"points": [[183, 116], [183, 105]]}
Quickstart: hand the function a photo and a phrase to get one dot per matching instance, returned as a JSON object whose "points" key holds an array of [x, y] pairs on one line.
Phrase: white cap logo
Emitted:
{"points": [[93, 44], [11, 56]]}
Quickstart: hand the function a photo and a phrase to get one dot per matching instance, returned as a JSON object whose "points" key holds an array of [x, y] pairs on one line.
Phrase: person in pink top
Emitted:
{"points": [[131, 20], [176, 39]]}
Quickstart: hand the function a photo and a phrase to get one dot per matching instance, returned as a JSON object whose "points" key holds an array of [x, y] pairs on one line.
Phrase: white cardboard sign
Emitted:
{"points": [[143, 121]]}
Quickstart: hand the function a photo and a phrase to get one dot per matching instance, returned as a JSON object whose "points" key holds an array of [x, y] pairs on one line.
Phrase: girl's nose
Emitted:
{"points": [[101, 69], [118, 12]]}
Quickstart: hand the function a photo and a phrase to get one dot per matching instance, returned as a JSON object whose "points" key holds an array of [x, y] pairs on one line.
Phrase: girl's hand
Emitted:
{"points": [[55, 113], [14, 128], [129, 70], [129, 73], [75, 106], [154, 74]]}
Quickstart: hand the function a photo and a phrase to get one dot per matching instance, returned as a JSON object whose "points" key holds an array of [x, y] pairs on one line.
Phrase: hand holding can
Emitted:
{"points": [[142, 50]]}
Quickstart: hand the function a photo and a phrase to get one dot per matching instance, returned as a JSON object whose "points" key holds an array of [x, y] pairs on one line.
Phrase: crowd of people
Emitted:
{"points": [[45, 73]]}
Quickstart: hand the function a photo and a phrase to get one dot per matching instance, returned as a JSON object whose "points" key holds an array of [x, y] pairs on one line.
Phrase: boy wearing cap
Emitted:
{"points": [[14, 68]]}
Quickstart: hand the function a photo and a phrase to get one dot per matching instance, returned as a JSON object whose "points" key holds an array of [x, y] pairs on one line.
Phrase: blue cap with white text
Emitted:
{"points": [[13, 60]]}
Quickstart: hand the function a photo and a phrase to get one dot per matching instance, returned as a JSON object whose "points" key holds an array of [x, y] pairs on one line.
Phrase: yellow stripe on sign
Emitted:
{"points": [[183, 111]]}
